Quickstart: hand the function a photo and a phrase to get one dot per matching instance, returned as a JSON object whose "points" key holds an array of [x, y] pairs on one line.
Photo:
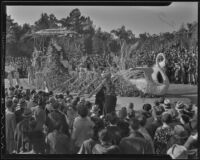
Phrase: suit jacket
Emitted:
{"points": [[10, 129], [135, 144]]}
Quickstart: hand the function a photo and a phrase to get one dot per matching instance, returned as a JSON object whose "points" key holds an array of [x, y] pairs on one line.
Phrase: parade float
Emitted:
{"points": [[52, 73], [49, 69]]}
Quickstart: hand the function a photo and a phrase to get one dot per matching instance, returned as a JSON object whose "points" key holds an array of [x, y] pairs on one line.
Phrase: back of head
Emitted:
{"points": [[105, 136], [134, 124], [112, 118], [166, 118], [9, 103], [147, 107], [131, 105], [82, 110], [122, 113], [124, 127], [141, 118], [98, 125]]}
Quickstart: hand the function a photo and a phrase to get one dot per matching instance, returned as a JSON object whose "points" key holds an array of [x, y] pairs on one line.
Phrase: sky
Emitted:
{"points": [[139, 19]]}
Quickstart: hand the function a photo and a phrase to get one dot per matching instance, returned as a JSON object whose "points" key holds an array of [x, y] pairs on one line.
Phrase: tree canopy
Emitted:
{"points": [[92, 40]]}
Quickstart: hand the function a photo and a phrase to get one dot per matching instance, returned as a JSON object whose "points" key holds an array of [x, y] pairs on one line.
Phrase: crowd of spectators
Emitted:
{"points": [[21, 63], [181, 64], [38, 122]]}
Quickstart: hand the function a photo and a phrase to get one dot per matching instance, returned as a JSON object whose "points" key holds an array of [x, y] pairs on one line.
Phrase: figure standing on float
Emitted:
{"points": [[110, 95]]}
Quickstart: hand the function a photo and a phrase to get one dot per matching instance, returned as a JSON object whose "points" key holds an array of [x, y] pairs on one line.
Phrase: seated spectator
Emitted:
{"points": [[105, 146]]}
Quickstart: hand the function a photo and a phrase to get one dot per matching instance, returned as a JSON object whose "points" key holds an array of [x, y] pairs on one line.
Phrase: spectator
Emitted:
{"points": [[10, 127], [82, 127], [58, 142], [22, 130], [163, 134], [87, 146], [135, 142], [113, 128], [105, 146], [131, 112], [142, 121]]}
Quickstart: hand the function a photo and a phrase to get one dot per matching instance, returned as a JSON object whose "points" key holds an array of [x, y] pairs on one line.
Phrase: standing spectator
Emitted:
{"points": [[82, 127], [163, 134], [135, 142], [142, 121], [105, 146], [87, 146], [113, 128], [10, 127], [71, 115], [58, 142], [40, 115], [99, 100], [179, 136], [55, 116], [22, 130], [131, 112]]}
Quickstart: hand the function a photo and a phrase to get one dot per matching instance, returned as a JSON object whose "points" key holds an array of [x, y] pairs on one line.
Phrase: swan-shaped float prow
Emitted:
{"points": [[152, 84]]}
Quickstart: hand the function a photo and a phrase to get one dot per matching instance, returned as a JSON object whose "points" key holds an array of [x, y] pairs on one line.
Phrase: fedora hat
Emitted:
{"points": [[180, 132], [95, 109], [27, 112]]}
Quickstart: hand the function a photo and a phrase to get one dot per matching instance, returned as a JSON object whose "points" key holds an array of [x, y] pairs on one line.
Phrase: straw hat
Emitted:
{"points": [[178, 152], [95, 109]]}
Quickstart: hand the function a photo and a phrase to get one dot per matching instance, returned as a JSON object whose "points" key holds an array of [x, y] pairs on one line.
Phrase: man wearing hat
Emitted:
{"points": [[100, 99], [15, 101], [21, 106], [179, 137], [40, 115], [50, 105], [10, 126], [23, 128], [33, 102], [54, 116], [11, 92], [110, 96]]}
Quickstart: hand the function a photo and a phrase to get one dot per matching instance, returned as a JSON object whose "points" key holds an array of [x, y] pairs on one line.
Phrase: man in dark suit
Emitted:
{"points": [[100, 99], [110, 96]]}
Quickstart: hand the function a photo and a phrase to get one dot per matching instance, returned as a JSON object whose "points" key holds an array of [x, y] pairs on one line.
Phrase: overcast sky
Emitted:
{"points": [[138, 19]]}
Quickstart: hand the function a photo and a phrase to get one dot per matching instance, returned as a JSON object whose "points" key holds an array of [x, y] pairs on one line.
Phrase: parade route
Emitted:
{"points": [[176, 92]]}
